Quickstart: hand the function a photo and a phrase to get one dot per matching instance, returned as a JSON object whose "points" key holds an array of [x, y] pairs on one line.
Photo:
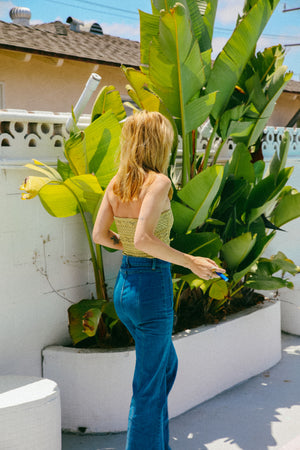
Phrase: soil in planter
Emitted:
{"points": [[116, 337], [197, 309]]}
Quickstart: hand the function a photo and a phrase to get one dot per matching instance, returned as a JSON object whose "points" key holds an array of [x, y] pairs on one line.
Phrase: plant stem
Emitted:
{"points": [[236, 291], [208, 148], [93, 255], [185, 159], [178, 296], [101, 271], [91, 245], [193, 158], [218, 152]]}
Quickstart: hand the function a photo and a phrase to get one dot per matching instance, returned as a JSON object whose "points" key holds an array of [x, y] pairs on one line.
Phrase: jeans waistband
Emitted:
{"points": [[137, 261]]}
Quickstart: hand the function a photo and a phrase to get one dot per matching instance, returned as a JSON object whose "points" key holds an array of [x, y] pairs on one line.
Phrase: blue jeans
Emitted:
{"points": [[143, 299]]}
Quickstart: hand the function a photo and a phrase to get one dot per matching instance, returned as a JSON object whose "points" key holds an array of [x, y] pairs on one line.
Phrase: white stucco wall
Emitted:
{"points": [[33, 315], [56, 82]]}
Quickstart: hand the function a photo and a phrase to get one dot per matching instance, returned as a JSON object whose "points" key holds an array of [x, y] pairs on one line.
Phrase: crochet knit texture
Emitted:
{"points": [[126, 228]]}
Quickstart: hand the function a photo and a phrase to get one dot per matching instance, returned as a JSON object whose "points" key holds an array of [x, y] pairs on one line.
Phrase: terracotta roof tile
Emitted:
{"points": [[57, 39], [293, 86]]}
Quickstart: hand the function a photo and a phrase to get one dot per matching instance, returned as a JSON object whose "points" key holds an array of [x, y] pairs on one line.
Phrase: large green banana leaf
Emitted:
{"points": [[269, 266], [196, 112], [240, 164], [177, 70], [98, 150], [149, 29], [234, 191], [63, 199], [163, 4], [198, 244], [202, 16], [278, 82], [253, 256], [75, 152], [236, 250], [141, 92], [176, 65], [197, 197], [108, 98], [264, 195], [84, 318], [287, 209], [209, 15], [232, 60], [201, 30], [232, 125], [279, 160], [267, 283], [203, 244]]}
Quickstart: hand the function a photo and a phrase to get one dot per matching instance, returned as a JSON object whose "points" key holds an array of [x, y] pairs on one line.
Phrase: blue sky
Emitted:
{"points": [[120, 18]]}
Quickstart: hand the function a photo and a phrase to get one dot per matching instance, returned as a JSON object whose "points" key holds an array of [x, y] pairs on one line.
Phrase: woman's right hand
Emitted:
{"points": [[204, 268]]}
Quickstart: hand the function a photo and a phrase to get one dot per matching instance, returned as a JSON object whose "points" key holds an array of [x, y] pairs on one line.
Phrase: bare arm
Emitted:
{"points": [[101, 232], [144, 240]]}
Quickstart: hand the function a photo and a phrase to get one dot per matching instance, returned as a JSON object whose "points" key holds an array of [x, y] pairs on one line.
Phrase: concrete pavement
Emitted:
{"points": [[259, 414]]}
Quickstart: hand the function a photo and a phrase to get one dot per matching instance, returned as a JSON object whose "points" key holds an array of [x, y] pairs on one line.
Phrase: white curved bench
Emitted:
{"points": [[30, 414]]}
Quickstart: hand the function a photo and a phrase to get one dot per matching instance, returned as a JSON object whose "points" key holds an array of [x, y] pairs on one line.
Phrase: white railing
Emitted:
{"points": [[39, 134], [272, 139]]}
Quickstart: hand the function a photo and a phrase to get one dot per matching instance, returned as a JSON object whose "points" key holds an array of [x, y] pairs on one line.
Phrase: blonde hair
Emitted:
{"points": [[146, 142]]}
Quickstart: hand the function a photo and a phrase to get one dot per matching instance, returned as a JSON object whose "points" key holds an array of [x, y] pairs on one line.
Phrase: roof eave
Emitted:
{"points": [[65, 56]]}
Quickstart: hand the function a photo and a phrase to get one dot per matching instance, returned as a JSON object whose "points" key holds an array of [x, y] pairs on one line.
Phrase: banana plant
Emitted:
{"points": [[243, 213], [248, 217], [77, 186], [176, 67], [217, 211]]}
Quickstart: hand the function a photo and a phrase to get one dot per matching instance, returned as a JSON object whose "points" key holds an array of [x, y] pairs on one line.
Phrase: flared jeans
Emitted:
{"points": [[143, 298]]}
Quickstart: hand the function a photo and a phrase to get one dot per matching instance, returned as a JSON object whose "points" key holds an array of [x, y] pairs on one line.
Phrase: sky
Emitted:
{"points": [[120, 18]]}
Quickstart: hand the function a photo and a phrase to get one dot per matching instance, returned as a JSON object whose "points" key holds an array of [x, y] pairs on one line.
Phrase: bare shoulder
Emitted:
{"points": [[161, 182], [109, 193]]}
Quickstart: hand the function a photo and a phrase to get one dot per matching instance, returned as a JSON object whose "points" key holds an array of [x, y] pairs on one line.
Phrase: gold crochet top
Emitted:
{"points": [[126, 227]]}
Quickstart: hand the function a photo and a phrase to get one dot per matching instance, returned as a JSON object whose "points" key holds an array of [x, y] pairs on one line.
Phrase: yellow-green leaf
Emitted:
{"points": [[218, 290]]}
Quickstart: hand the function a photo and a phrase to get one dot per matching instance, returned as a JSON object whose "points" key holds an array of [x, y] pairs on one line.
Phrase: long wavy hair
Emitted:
{"points": [[146, 142]]}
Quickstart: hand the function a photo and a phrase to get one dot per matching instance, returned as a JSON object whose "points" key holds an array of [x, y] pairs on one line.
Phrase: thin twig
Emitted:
{"points": [[45, 273]]}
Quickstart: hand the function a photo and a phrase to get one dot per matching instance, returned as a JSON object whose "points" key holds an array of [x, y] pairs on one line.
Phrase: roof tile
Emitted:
{"points": [[293, 86], [57, 39]]}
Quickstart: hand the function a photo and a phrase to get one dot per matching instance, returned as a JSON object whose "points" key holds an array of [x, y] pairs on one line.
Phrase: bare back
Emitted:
{"points": [[132, 209]]}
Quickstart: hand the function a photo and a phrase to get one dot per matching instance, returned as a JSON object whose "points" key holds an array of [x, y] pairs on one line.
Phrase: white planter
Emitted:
{"points": [[290, 309], [95, 385]]}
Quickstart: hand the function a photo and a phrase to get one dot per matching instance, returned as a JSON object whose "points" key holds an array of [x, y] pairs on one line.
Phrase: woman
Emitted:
{"points": [[138, 200]]}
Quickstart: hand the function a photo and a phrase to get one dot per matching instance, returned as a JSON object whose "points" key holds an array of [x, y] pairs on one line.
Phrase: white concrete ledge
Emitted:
{"points": [[30, 415], [290, 309], [95, 385]]}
